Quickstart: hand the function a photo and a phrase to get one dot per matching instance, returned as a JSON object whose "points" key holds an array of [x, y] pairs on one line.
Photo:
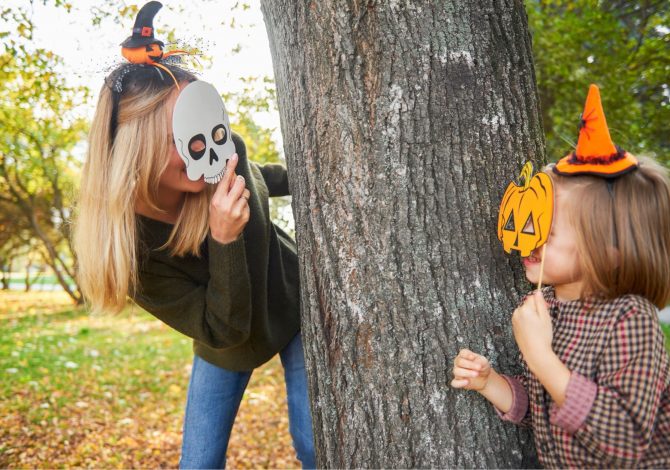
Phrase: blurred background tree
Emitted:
{"points": [[622, 46], [38, 134]]}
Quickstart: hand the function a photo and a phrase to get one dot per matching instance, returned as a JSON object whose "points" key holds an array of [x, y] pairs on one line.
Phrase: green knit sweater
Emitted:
{"points": [[238, 301]]}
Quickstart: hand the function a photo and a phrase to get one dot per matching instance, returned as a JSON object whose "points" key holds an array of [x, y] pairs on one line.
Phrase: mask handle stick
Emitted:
{"points": [[539, 282]]}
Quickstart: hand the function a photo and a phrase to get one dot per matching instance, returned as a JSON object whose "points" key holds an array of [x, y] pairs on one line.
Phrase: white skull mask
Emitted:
{"points": [[202, 132]]}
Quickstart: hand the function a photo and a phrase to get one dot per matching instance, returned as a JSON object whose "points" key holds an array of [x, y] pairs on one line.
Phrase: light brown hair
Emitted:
{"points": [[623, 231], [128, 150]]}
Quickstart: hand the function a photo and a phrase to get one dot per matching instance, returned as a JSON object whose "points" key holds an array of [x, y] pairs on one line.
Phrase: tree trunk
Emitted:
{"points": [[7, 272], [29, 265], [403, 122]]}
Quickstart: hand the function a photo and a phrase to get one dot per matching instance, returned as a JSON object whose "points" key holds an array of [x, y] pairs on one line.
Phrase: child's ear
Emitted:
{"points": [[614, 257]]}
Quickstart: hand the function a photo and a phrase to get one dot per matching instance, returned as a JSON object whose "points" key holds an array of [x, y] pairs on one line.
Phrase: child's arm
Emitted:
{"points": [[473, 372], [616, 414], [533, 333]]}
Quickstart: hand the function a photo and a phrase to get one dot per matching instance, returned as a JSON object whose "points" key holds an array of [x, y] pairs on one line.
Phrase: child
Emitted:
{"points": [[596, 384]]}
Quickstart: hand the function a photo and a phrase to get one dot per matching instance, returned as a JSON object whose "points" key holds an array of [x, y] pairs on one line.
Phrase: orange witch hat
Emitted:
{"points": [[595, 154]]}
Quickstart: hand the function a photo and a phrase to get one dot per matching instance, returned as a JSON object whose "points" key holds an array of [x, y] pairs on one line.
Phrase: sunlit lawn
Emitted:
{"points": [[109, 391]]}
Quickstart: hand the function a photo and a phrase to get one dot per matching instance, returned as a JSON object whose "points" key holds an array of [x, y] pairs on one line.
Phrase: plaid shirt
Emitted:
{"points": [[617, 407]]}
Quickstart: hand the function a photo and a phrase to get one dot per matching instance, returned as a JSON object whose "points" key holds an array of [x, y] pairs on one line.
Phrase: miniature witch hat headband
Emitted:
{"points": [[144, 54], [141, 47], [595, 154]]}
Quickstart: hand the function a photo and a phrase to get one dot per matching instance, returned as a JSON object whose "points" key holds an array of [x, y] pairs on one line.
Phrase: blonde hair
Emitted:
{"points": [[623, 231], [123, 165]]}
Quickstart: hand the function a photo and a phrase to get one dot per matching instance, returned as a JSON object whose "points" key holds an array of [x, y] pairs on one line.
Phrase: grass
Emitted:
{"points": [[109, 391], [666, 330]]}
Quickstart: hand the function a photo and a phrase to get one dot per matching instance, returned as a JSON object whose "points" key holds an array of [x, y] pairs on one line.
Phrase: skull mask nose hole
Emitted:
{"points": [[213, 157]]}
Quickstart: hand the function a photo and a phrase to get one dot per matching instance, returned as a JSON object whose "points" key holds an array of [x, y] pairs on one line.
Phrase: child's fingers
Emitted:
{"points": [[461, 372], [540, 303], [482, 362], [459, 383], [467, 354], [467, 363]]}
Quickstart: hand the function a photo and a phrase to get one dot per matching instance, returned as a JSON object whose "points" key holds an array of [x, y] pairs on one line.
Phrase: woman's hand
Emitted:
{"points": [[533, 332], [229, 207], [471, 371]]}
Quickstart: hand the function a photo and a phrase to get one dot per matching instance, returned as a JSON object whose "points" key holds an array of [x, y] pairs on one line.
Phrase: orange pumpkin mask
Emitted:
{"points": [[526, 212]]}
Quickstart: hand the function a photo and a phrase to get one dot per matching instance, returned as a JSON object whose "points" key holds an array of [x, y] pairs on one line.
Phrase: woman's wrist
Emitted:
{"points": [[225, 238]]}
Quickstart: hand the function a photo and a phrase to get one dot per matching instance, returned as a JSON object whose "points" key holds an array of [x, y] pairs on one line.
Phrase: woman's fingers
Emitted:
{"points": [[241, 208], [237, 190], [228, 178]]}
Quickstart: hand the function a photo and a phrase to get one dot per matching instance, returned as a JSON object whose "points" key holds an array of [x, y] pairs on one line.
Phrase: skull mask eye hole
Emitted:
{"points": [[219, 134], [197, 146]]}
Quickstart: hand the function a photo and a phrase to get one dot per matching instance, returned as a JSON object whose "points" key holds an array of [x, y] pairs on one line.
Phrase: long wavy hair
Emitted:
{"points": [[128, 150]]}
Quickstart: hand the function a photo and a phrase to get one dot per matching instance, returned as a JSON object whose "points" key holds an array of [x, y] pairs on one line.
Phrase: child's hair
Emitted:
{"points": [[623, 231], [129, 147]]}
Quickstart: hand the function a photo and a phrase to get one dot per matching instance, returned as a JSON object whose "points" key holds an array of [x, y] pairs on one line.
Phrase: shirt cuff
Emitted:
{"points": [[579, 398], [519, 401]]}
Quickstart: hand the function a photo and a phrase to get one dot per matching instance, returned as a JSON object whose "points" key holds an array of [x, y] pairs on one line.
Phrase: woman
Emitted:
{"points": [[205, 260]]}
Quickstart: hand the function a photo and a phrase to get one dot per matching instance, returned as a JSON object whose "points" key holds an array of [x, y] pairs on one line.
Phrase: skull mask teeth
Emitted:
{"points": [[201, 131]]}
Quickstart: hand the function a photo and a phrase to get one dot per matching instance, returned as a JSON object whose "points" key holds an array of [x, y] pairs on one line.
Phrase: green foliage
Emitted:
{"points": [[624, 47]]}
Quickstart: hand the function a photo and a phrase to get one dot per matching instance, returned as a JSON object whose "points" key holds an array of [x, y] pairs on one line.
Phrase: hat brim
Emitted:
{"points": [[131, 42], [567, 167]]}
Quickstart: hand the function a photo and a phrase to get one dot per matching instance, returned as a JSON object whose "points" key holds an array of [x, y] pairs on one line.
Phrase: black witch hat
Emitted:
{"points": [[143, 31]]}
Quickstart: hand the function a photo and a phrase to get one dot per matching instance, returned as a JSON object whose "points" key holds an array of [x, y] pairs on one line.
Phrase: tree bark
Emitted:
{"points": [[403, 122]]}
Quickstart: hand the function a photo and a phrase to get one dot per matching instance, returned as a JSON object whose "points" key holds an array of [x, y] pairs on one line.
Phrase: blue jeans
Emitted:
{"points": [[214, 396]]}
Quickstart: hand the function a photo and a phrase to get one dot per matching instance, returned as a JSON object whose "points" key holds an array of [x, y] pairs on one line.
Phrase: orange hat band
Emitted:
{"points": [[604, 160]]}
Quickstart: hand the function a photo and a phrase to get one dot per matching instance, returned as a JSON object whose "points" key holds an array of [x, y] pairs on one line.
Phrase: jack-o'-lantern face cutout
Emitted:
{"points": [[526, 211]]}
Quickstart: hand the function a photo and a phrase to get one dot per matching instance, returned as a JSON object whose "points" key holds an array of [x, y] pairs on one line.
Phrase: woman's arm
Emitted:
{"points": [[216, 312], [276, 179]]}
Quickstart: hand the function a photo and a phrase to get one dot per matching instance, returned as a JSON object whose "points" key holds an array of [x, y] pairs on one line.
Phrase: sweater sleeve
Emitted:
{"points": [[217, 314], [613, 416], [276, 179]]}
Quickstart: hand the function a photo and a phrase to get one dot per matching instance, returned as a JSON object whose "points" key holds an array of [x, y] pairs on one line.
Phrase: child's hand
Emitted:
{"points": [[532, 327], [471, 371]]}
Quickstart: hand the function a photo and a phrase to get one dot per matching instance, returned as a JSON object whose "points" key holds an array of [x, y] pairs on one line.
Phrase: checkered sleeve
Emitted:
{"points": [[519, 413], [625, 394]]}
